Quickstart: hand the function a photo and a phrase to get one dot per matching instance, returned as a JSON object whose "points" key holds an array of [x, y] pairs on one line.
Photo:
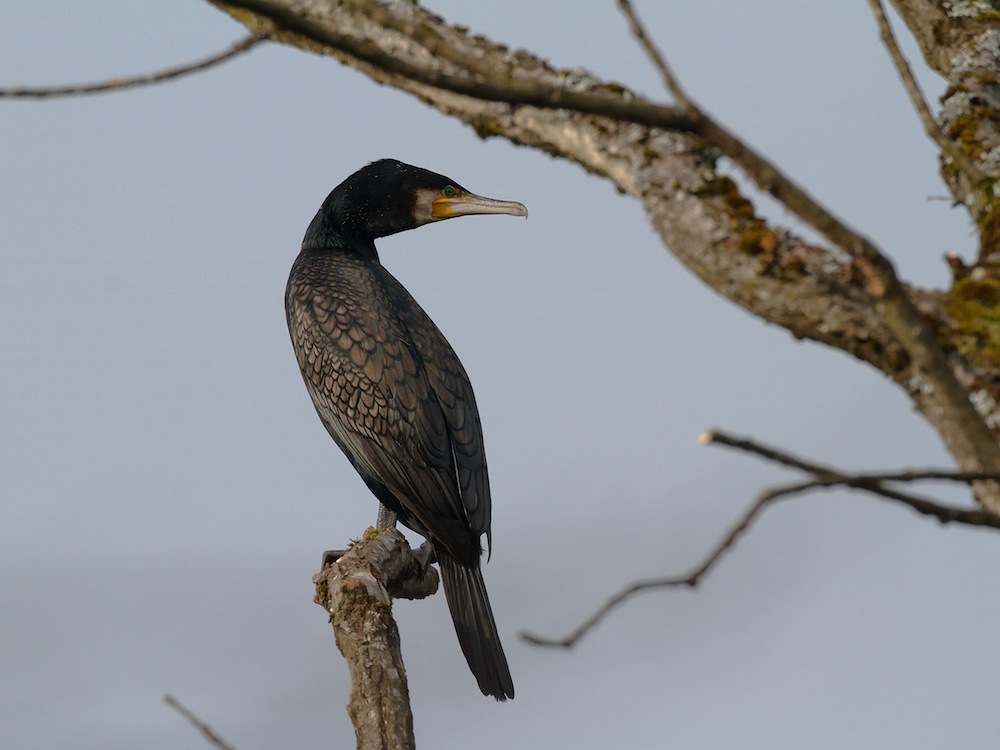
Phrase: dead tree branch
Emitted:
{"points": [[357, 592], [670, 81], [824, 477], [958, 40], [916, 96], [121, 84], [875, 483], [207, 732]]}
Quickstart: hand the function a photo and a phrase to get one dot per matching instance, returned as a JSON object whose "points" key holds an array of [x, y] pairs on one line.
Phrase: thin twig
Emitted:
{"points": [[875, 482], [771, 454], [120, 84], [824, 478], [214, 739], [920, 104], [671, 82], [787, 459], [688, 580]]}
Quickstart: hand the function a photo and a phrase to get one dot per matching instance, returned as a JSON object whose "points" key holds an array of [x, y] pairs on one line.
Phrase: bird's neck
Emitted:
{"points": [[325, 236]]}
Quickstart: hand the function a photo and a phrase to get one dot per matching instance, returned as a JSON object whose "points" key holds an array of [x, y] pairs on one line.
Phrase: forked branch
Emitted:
{"points": [[823, 477]]}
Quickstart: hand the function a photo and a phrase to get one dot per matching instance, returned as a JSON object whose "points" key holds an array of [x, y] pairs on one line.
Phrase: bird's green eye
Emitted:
{"points": [[449, 192]]}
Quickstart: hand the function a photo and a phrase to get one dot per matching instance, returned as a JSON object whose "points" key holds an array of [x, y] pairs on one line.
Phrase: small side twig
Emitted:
{"points": [[213, 739], [951, 148], [824, 477], [659, 62], [875, 483], [120, 84]]}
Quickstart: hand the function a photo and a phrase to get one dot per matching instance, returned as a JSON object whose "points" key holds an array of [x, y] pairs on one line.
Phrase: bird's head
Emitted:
{"points": [[388, 196]]}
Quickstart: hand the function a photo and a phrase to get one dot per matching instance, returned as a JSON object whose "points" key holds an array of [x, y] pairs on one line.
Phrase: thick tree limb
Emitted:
{"points": [[357, 592], [121, 84], [824, 477]]}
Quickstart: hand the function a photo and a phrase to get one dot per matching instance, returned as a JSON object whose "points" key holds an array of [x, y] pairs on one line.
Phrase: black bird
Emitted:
{"points": [[390, 389]]}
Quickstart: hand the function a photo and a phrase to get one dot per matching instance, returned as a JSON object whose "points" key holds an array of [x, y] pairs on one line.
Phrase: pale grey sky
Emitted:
{"points": [[167, 489]]}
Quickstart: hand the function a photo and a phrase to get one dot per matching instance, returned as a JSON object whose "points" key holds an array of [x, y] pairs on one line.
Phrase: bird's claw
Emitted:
{"points": [[425, 555]]}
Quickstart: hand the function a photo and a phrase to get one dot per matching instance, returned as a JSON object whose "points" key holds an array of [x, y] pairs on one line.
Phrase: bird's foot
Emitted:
{"points": [[425, 555]]}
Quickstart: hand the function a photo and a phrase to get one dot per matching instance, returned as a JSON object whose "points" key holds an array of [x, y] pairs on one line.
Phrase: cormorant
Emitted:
{"points": [[390, 389]]}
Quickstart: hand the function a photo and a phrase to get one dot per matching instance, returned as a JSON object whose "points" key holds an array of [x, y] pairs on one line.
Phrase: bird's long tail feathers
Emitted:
{"points": [[477, 632]]}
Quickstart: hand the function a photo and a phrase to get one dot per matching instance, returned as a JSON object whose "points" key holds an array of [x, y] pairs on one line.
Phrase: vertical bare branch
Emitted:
{"points": [[355, 591]]}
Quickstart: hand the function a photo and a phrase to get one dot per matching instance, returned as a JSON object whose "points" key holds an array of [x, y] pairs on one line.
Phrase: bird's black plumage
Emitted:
{"points": [[390, 389]]}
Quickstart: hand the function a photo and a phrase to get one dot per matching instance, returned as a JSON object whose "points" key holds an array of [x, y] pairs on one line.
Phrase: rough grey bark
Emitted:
{"points": [[357, 592]]}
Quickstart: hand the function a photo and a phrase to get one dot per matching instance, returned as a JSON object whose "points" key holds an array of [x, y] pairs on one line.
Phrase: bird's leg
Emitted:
{"points": [[386, 518], [424, 554]]}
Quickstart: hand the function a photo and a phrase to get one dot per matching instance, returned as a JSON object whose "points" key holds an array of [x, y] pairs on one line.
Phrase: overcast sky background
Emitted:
{"points": [[168, 489]]}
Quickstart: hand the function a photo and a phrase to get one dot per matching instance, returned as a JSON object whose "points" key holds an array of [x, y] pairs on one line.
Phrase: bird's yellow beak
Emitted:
{"points": [[468, 204]]}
